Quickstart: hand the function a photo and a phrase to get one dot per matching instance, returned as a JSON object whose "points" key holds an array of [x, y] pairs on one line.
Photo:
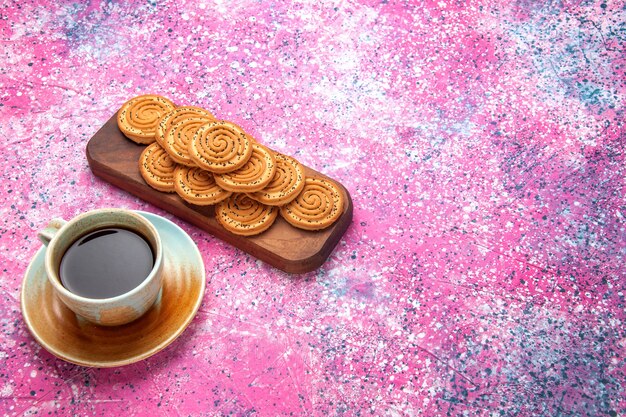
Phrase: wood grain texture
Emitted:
{"points": [[114, 158]]}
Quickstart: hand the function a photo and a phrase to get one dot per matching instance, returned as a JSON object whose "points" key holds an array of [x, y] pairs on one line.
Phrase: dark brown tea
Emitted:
{"points": [[106, 263]]}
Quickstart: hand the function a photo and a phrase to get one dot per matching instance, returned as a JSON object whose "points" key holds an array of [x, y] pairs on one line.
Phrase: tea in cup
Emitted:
{"points": [[105, 265]]}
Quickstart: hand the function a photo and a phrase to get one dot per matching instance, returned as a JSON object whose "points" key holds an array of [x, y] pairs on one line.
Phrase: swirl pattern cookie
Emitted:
{"points": [[139, 117], [254, 175], [178, 136], [319, 204], [157, 168], [244, 216], [197, 186], [215, 162], [220, 147], [175, 116], [286, 184]]}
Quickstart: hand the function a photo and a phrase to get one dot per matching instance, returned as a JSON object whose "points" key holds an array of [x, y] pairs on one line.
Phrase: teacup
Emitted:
{"points": [[99, 267]]}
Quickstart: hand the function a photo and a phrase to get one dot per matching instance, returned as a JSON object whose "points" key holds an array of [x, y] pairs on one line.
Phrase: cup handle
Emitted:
{"points": [[45, 235]]}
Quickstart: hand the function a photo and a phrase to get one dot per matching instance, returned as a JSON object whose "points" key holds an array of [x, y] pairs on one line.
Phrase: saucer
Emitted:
{"points": [[71, 338]]}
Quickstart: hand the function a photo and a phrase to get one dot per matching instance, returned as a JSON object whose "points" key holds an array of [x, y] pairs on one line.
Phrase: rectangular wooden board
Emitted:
{"points": [[114, 158]]}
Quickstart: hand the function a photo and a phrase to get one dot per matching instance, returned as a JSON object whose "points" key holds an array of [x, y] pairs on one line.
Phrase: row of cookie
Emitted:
{"points": [[190, 135], [269, 177], [177, 128], [247, 213], [271, 181]]}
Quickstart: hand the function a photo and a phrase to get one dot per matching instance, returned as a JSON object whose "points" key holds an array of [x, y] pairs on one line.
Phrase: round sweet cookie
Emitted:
{"points": [[176, 115], [220, 147], [157, 168], [197, 186], [138, 117], [254, 175], [178, 136], [286, 184], [319, 205], [241, 215]]}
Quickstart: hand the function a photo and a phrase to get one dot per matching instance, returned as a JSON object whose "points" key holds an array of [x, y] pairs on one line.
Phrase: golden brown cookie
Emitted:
{"points": [[138, 117], [157, 168], [286, 184], [175, 116], [244, 216], [319, 204], [197, 186], [254, 175], [220, 147], [178, 136]]}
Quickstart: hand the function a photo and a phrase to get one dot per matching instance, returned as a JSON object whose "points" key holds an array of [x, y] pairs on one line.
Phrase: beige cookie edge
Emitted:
{"points": [[197, 201], [272, 213], [215, 167], [149, 177], [226, 181], [261, 196], [320, 225], [134, 134]]}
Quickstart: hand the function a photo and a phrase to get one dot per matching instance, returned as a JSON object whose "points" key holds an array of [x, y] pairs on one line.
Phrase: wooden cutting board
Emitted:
{"points": [[114, 158]]}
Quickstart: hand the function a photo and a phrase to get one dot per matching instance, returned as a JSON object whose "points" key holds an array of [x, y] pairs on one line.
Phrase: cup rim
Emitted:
{"points": [[158, 259]]}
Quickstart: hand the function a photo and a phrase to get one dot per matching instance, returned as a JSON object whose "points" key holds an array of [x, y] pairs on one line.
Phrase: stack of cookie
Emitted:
{"points": [[207, 161]]}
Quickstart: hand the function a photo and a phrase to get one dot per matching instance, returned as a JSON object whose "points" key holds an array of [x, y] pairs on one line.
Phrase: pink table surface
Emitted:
{"points": [[483, 144]]}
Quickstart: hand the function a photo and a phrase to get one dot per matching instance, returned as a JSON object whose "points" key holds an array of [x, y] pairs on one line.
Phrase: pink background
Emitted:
{"points": [[483, 144]]}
